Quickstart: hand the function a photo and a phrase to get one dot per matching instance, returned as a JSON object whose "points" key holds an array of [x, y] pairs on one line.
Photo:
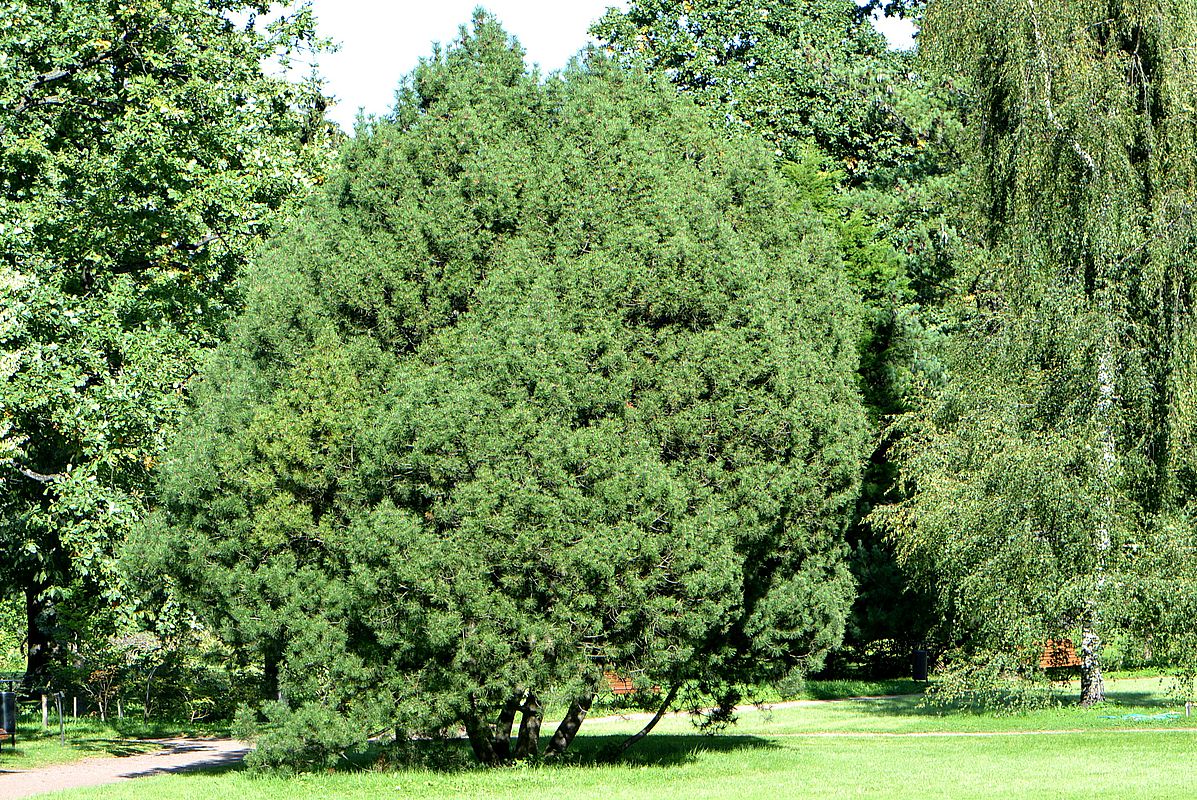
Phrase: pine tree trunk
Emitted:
{"points": [[482, 739], [627, 743], [569, 726], [503, 727], [528, 744]]}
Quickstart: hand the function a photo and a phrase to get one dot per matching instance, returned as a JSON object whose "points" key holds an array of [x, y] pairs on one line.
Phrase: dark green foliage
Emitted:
{"points": [[862, 130], [553, 377]]}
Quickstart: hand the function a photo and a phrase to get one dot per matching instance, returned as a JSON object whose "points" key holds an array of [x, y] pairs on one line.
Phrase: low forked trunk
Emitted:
{"points": [[528, 744], [569, 726]]}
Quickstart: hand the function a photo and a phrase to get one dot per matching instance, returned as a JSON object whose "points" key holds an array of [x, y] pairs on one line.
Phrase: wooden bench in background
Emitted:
{"points": [[1059, 655], [621, 686]]}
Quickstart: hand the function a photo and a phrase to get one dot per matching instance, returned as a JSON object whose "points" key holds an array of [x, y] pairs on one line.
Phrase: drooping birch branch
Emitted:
{"points": [[1041, 54]]}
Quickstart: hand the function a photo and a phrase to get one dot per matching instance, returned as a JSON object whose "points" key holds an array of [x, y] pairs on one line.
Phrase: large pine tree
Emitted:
{"points": [[553, 377]]}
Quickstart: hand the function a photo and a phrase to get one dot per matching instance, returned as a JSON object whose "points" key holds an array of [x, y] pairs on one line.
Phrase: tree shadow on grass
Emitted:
{"points": [[1141, 700], [655, 750], [924, 707], [16, 759], [905, 706], [663, 749], [213, 763], [118, 748]]}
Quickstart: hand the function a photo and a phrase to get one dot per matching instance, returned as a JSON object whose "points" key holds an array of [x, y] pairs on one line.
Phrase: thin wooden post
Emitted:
{"points": [[45, 713]]}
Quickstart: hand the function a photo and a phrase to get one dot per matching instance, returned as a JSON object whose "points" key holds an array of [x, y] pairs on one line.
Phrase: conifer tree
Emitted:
{"points": [[553, 378]]}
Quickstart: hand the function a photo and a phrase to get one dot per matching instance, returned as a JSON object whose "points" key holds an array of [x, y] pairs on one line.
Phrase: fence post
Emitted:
{"points": [[45, 714]]}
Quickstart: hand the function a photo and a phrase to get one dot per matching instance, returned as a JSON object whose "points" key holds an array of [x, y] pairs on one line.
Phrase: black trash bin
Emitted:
{"points": [[8, 716], [919, 665]]}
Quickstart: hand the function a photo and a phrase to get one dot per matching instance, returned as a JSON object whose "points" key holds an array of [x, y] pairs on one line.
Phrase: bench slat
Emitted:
{"points": [[1059, 654]]}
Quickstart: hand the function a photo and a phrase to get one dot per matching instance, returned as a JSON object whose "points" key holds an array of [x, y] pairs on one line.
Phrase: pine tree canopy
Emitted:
{"points": [[551, 378]]}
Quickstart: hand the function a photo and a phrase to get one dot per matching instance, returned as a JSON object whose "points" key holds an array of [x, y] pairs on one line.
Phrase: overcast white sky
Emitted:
{"points": [[382, 41]]}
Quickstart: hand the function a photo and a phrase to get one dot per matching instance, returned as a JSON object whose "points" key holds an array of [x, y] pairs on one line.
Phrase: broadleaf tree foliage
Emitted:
{"points": [[1051, 478], [143, 150], [553, 377], [793, 72]]}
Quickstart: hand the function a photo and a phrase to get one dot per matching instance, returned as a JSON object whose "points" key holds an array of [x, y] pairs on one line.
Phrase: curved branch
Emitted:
{"points": [[192, 247], [26, 99], [627, 743], [1090, 164], [39, 477]]}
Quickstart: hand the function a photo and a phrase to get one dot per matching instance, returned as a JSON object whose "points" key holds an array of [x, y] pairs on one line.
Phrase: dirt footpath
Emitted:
{"points": [[176, 755]]}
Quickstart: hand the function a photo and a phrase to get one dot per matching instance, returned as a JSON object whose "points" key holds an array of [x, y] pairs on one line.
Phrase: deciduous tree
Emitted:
{"points": [[143, 151], [1051, 476]]}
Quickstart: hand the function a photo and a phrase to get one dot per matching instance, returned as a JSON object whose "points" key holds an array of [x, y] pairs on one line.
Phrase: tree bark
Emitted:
{"points": [[481, 736], [1092, 685], [41, 649], [569, 726], [1093, 688], [528, 744], [503, 727], [627, 743]]}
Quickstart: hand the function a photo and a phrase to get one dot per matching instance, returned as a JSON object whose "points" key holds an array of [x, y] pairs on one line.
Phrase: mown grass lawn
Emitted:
{"points": [[890, 748]]}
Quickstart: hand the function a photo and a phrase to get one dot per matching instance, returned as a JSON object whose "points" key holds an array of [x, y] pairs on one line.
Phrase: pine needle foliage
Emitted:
{"points": [[553, 378]]}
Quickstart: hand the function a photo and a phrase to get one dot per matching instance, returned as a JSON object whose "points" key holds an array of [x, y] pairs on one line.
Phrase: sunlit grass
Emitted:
{"points": [[812, 750]]}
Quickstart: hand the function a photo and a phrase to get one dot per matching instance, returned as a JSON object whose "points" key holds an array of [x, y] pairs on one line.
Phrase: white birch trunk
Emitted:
{"points": [[1092, 685]]}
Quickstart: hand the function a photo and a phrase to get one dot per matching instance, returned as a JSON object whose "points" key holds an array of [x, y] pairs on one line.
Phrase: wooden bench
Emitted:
{"points": [[6, 735], [621, 686], [1059, 655]]}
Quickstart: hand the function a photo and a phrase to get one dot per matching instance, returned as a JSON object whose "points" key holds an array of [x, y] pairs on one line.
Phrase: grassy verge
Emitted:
{"points": [[811, 690], [815, 750]]}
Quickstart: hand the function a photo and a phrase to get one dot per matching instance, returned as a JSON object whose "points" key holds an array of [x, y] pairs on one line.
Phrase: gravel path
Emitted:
{"points": [[176, 755]]}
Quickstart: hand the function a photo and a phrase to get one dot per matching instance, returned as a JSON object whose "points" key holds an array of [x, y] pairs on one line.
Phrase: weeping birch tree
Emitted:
{"points": [[1048, 482]]}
